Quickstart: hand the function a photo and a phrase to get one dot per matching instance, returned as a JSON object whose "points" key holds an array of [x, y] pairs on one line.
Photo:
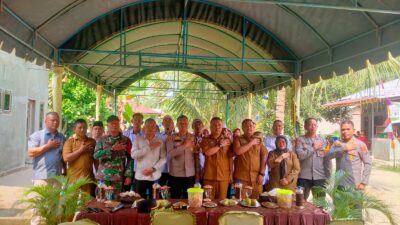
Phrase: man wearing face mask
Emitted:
{"points": [[78, 154], [251, 158]]}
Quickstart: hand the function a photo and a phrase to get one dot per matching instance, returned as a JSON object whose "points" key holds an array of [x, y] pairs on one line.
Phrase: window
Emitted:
{"points": [[6, 101], [1, 101], [41, 116]]}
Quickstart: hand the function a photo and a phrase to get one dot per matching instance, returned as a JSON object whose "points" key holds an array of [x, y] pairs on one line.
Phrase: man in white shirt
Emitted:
{"points": [[132, 133], [149, 152]]}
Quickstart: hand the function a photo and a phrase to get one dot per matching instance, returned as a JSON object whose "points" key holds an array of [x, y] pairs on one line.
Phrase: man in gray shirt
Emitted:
{"points": [[182, 168], [45, 148], [352, 157], [310, 149]]}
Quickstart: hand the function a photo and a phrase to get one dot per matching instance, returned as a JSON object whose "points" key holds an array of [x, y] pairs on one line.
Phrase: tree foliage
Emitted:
{"points": [[78, 101], [314, 96]]}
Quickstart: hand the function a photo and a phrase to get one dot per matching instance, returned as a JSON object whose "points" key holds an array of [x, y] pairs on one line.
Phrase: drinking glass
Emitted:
{"points": [[207, 193], [248, 192]]}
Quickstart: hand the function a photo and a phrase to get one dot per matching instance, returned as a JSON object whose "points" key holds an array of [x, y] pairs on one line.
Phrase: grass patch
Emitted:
{"points": [[395, 169]]}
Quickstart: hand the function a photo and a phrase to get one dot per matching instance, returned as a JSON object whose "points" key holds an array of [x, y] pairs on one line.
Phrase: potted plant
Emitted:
{"points": [[58, 201], [347, 205]]}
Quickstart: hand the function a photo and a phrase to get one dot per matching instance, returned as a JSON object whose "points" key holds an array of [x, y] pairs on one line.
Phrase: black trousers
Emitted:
{"points": [[179, 186], [308, 186], [144, 188], [164, 179]]}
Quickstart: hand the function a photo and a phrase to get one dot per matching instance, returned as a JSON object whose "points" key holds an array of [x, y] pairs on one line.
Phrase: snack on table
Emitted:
{"points": [[228, 202], [111, 204], [210, 204], [195, 197], [270, 205], [179, 205], [128, 197], [163, 203], [250, 202], [285, 198]]}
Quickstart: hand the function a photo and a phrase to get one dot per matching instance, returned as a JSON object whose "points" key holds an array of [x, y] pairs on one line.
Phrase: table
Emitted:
{"points": [[310, 215]]}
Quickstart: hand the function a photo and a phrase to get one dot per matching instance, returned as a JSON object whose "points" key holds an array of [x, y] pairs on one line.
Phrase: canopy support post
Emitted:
{"points": [[115, 103], [226, 110], [297, 95], [250, 106], [57, 89], [99, 90]]}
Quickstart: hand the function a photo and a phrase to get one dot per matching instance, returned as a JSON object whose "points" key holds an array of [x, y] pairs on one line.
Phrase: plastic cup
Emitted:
{"points": [[195, 197], [285, 198]]}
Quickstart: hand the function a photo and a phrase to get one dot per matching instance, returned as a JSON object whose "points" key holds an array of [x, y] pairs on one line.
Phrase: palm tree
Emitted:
{"points": [[58, 201]]}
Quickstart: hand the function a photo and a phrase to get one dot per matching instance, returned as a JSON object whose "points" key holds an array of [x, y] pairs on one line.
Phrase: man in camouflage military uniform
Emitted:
{"points": [[114, 161]]}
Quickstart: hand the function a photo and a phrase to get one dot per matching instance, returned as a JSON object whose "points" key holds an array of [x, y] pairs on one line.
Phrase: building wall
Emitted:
{"points": [[326, 127], [377, 111], [26, 81]]}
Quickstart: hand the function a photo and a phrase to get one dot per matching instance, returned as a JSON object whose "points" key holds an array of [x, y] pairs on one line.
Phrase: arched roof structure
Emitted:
{"points": [[241, 46]]}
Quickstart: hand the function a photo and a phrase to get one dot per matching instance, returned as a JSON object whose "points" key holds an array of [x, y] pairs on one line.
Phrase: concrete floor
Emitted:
{"points": [[11, 189]]}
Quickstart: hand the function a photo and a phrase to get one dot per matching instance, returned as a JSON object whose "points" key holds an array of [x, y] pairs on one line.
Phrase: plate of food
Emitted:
{"points": [[210, 204], [269, 205], [250, 202], [228, 202], [111, 204], [180, 205], [128, 197], [162, 203]]}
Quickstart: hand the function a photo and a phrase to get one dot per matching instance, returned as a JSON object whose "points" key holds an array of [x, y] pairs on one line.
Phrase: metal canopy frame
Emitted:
{"points": [[217, 65], [46, 51]]}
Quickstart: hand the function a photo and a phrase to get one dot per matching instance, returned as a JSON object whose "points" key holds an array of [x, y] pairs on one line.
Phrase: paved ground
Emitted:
{"points": [[11, 189], [383, 184]]}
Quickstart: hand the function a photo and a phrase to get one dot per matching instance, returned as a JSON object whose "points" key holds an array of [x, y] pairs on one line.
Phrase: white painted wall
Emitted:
{"points": [[26, 81]]}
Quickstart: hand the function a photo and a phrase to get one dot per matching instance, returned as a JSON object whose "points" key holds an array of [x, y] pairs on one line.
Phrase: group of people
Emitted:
{"points": [[142, 156]]}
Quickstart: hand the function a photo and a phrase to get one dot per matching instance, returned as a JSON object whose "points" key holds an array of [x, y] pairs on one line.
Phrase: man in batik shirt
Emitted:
{"points": [[112, 152]]}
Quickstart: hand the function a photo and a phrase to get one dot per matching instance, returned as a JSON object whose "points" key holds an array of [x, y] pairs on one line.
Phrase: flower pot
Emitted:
{"points": [[347, 222]]}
